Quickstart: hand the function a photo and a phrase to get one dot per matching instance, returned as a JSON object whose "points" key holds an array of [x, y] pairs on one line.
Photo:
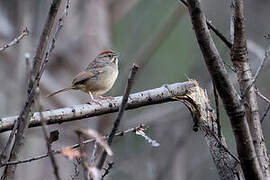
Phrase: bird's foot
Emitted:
{"points": [[95, 101], [106, 98]]}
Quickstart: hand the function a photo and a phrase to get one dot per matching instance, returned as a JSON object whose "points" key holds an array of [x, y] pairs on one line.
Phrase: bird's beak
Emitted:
{"points": [[117, 54]]}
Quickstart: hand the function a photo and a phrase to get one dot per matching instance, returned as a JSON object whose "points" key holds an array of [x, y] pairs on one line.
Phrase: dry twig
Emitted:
{"points": [[25, 32], [120, 112], [59, 151]]}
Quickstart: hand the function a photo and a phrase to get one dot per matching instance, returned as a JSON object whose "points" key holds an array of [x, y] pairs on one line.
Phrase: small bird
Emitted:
{"points": [[98, 78]]}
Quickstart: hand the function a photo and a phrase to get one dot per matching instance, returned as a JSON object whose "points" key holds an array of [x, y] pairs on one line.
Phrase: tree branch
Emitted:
{"points": [[49, 148], [215, 30], [116, 124], [136, 100], [119, 134], [266, 54], [25, 115], [16, 40], [245, 79], [205, 119], [227, 92]]}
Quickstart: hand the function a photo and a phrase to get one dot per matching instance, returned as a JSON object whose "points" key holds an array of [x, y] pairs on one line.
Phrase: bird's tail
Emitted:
{"points": [[60, 91]]}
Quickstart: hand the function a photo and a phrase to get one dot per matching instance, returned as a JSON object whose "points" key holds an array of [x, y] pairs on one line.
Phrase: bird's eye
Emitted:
{"points": [[109, 55]]}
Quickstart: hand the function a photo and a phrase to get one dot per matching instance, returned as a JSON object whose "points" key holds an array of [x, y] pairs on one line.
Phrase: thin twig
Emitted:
{"points": [[208, 130], [50, 152], [267, 107], [93, 155], [107, 170], [265, 112], [116, 124], [262, 96], [266, 54], [83, 155], [119, 134], [25, 32], [217, 111], [55, 36], [215, 30], [219, 34], [76, 170], [49, 147]]}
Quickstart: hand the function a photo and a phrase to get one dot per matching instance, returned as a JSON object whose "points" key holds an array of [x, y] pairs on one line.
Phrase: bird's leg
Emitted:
{"points": [[92, 98], [107, 97]]}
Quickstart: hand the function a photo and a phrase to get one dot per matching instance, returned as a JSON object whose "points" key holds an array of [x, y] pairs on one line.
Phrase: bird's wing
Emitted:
{"points": [[86, 75]]}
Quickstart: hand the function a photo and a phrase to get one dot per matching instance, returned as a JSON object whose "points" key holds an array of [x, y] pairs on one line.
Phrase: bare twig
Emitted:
{"points": [[76, 170], [55, 36], [267, 107], [83, 155], [136, 100], [25, 32], [219, 34], [49, 148], [262, 96], [215, 30], [120, 113], [25, 115], [107, 170], [209, 131], [265, 112], [93, 155], [119, 134], [48, 140], [266, 54]]}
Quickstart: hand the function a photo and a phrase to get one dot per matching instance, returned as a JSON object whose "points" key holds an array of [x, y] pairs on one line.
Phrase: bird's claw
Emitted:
{"points": [[106, 98]]}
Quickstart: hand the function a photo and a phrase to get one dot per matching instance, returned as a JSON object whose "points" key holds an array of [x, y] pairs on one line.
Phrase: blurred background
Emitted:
{"points": [[155, 34]]}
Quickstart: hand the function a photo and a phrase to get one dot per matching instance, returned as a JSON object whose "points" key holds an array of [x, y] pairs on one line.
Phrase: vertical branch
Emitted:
{"points": [[245, 78], [48, 143], [217, 111], [232, 5], [120, 113], [83, 155], [50, 152], [227, 92], [25, 115]]}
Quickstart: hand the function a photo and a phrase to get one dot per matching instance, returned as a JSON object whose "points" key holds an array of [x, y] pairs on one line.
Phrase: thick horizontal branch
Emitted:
{"points": [[143, 98]]}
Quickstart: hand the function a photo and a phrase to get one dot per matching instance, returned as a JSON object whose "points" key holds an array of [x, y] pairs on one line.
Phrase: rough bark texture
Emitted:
{"points": [[245, 78], [25, 115], [205, 119], [227, 92]]}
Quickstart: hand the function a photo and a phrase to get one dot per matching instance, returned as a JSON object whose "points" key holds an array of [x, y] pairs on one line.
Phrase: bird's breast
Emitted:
{"points": [[104, 81]]}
